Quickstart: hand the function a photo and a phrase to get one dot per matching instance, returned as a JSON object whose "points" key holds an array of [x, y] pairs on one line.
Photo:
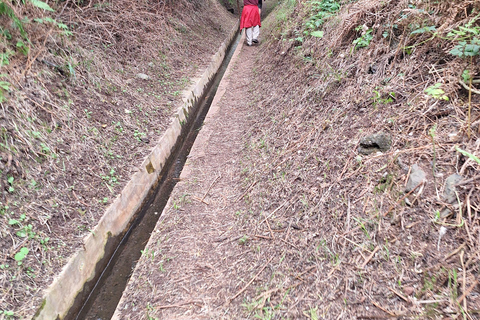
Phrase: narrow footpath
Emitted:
{"points": [[194, 266]]}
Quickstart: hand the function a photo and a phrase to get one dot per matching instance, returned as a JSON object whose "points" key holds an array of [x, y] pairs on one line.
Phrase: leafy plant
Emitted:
{"points": [[5, 56], [320, 11], [468, 154], [8, 313], [364, 40], [138, 135], [466, 49], [317, 34], [468, 38], [20, 255], [6, 10], [24, 49], [243, 240], [379, 98], [424, 30], [10, 182], [468, 45], [436, 92], [4, 86], [112, 178], [26, 231], [41, 5]]}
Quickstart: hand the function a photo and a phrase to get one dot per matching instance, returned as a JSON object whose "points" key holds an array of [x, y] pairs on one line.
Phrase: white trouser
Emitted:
{"points": [[252, 33]]}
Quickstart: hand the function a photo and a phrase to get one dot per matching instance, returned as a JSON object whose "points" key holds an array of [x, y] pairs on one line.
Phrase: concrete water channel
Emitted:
{"points": [[102, 300], [91, 284]]}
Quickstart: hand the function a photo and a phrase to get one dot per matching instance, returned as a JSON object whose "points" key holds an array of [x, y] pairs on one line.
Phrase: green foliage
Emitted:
{"points": [[466, 49], [59, 25], [4, 87], [41, 5], [320, 12], [10, 182], [468, 38], [468, 154], [318, 34], [424, 30], [7, 313], [23, 48], [364, 40], [380, 98], [21, 255], [466, 76], [4, 57], [5, 10], [436, 92]]}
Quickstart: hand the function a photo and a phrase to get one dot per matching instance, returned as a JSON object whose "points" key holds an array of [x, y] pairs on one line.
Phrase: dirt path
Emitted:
{"points": [[195, 263]]}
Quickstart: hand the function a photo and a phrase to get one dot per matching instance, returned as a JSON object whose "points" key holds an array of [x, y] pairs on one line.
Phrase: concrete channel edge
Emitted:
{"points": [[61, 294], [201, 140]]}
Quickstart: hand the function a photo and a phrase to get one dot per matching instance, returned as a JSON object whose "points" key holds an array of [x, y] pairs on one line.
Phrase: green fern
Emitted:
{"points": [[5, 10], [41, 5]]}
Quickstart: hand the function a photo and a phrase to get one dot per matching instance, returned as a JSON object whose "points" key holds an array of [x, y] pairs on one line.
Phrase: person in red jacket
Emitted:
{"points": [[250, 20]]}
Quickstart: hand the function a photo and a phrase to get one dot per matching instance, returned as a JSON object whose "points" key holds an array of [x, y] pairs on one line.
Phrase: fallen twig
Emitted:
{"points": [[383, 309], [467, 291], [249, 283], [199, 200], [248, 189], [464, 182], [370, 257], [468, 88], [271, 214], [396, 203], [399, 294], [208, 190], [177, 305]]}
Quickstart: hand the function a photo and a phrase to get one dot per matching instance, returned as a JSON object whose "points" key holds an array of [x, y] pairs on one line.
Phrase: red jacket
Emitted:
{"points": [[250, 16]]}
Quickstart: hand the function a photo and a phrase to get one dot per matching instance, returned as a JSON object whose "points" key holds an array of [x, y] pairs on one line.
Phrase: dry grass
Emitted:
{"points": [[79, 119], [367, 254]]}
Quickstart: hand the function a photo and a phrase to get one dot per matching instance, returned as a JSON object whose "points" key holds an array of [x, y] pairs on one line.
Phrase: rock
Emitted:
{"points": [[374, 143], [142, 76], [417, 175], [409, 290], [449, 192]]}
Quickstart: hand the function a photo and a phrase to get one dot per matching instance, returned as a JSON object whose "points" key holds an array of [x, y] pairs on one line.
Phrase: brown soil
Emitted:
{"points": [[79, 119], [280, 217]]}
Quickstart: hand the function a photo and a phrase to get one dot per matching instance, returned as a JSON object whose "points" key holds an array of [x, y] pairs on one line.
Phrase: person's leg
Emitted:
{"points": [[249, 35], [256, 33]]}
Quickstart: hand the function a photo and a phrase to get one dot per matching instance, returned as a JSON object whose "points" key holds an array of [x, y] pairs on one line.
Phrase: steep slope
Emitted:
{"points": [[374, 232], [87, 90]]}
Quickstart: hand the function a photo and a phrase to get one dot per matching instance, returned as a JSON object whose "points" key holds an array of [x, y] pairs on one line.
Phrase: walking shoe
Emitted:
{"points": [[255, 41]]}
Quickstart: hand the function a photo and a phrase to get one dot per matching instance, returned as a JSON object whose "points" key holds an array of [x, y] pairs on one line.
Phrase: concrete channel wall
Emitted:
{"points": [[80, 269]]}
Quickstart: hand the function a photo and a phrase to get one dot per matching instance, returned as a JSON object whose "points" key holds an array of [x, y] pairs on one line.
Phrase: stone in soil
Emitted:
{"points": [[449, 192], [375, 143], [417, 176]]}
